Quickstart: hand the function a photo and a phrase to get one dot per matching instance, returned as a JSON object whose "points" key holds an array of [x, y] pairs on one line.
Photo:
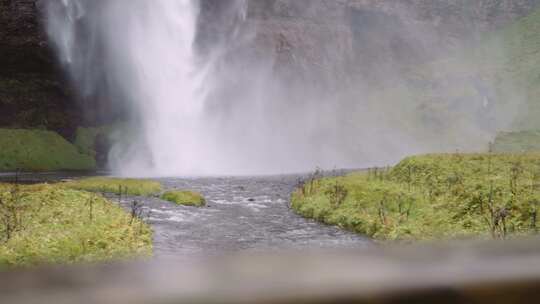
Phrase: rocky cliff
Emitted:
{"points": [[335, 37], [33, 92], [322, 40]]}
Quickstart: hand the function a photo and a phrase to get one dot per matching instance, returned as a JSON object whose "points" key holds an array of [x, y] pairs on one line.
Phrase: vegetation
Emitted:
{"points": [[52, 224], [39, 150], [431, 197], [85, 138], [137, 187], [186, 198]]}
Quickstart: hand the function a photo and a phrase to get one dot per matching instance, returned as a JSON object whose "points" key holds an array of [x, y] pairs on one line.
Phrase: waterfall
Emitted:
{"points": [[228, 95], [140, 53], [223, 112], [139, 56]]}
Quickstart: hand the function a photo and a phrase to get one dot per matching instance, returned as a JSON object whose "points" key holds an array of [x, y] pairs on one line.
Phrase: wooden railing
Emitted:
{"points": [[488, 272]]}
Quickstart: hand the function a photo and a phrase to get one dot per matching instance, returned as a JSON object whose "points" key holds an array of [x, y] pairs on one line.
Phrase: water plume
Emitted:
{"points": [[139, 54]]}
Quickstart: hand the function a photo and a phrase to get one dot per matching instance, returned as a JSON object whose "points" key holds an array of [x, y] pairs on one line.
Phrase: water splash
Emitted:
{"points": [[141, 53], [140, 56]]}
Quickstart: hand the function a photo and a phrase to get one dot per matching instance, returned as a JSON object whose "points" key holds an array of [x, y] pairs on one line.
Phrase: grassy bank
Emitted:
{"points": [[186, 198], [431, 197], [128, 186], [51, 224], [38, 150]]}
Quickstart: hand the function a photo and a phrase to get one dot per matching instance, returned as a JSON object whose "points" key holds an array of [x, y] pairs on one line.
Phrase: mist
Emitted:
{"points": [[236, 92]]}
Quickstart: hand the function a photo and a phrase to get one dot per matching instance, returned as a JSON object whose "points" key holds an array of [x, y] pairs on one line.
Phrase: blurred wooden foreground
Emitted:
{"points": [[489, 272]]}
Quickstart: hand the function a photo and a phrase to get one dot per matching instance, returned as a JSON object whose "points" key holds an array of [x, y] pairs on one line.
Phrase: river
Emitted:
{"points": [[243, 214]]}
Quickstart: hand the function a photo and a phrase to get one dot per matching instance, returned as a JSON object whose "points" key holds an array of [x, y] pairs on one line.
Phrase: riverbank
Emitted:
{"points": [[72, 221], [43, 224], [443, 196]]}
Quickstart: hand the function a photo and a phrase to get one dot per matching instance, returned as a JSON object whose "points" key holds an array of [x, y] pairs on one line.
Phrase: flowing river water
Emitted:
{"points": [[243, 214]]}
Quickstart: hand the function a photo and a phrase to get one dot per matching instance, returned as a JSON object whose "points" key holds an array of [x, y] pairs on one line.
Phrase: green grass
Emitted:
{"points": [[137, 187], [39, 150], [428, 197], [51, 224], [186, 198], [85, 139]]}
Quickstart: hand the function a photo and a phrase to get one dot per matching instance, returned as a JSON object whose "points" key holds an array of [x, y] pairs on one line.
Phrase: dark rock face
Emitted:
{"points": [[32, 90], [21, 33], [102, 146], [350, 37]]}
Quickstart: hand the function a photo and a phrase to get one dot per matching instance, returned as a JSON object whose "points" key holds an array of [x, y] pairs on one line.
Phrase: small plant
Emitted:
{"points": [[301, 184], [90, 204], [123, 191], [337, 193], [404, 208], [12, 211], [409, 177], [314, 180], [533, 215], [136, 210], [516, 171], [382, 212]]}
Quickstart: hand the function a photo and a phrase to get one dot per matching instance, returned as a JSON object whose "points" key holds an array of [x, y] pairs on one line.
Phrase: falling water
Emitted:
{"points": [[143, 52], [139, 55]]}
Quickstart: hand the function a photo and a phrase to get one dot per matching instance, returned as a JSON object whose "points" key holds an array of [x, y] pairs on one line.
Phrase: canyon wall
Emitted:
{"points": [[320, 40], [33, 93], [341, 37]]}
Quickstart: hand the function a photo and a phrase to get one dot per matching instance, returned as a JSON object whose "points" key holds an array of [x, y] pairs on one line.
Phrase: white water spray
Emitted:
{"points": [[144, 49], [140, 54]]}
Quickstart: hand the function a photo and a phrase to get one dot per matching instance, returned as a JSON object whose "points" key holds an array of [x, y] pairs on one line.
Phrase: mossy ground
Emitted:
{"points": [[137, 187], [52, 224], [39, 150], [431, 197], [186, 198]]}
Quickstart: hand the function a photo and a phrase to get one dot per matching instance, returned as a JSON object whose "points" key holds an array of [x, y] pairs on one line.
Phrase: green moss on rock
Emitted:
{"points": [[186, 198], [40, 150]]}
